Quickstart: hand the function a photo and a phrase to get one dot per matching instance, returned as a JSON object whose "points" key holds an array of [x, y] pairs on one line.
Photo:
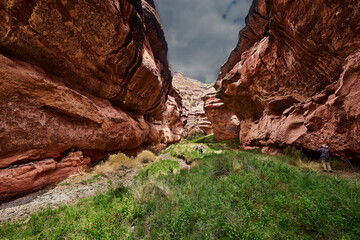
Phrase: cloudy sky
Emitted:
{"points": [[201, 33]]}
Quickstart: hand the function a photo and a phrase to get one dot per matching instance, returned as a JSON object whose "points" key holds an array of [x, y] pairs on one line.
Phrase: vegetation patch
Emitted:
{"points": [[159, 168], [231, 194]]}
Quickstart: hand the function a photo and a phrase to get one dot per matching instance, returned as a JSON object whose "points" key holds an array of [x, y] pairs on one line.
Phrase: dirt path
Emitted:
{"points": [[68, 192]]}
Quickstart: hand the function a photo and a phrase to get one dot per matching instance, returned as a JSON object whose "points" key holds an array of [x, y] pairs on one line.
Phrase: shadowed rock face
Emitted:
{"points": [[84, 75], [293, 78], [191, 92], [225, 124]]}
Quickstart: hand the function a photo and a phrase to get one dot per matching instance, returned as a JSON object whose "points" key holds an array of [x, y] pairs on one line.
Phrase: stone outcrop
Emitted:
{"points": [[225, 124], [192, 91], [18, 180], [203, 122], [84, 75], [293, 78]]}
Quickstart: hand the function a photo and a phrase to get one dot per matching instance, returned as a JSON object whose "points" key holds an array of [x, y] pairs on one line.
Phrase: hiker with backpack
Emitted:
{"points": [[325, 157], [201, 148]]}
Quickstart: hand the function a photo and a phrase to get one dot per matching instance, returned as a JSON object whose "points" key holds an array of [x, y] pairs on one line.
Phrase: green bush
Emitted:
{"points": [[293, 152]]}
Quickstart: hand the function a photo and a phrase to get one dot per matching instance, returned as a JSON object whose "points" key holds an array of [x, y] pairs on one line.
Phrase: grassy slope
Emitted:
{"points": [[231, 194]]}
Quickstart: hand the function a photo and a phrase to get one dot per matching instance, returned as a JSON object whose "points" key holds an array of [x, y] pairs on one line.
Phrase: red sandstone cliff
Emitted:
{"points": [[84, 75], [294, 76], [191, 92], [225, 124]]}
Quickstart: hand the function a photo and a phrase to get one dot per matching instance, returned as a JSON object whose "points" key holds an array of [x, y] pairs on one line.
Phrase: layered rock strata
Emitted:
{"points": [[192, 91], [293, 78], [84, 75], [225, 124]]}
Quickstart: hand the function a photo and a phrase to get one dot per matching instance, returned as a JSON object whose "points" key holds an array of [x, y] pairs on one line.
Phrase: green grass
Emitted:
{"points": [[240, 195], [105, 216], [231, 194], [158, 168]]}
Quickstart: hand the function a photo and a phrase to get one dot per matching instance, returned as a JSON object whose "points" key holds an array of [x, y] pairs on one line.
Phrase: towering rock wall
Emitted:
{"points": [[79, 79], [293, 78], [192, 91]]}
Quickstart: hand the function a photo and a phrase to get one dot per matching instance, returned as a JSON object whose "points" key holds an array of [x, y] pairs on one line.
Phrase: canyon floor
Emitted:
{"points": [[76, 187], [226, 193]]}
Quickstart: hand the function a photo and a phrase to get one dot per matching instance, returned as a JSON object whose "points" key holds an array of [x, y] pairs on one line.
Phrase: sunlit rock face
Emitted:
{"points": [[191, 92], [83, 75], [293, 78]]}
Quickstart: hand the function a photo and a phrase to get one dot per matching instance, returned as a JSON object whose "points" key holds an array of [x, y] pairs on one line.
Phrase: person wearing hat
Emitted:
{"points": [[325, 157]]}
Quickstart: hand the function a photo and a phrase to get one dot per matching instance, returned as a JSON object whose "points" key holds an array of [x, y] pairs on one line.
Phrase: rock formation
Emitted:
{"points": [[191, 92], [90, 75], [225, 124], [294, 76]]}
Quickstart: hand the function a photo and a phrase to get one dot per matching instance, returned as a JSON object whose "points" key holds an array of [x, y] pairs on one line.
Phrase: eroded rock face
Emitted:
{"points": [[84, 75], [225, 124], [19, 179], [293, 78], [192, 91]]}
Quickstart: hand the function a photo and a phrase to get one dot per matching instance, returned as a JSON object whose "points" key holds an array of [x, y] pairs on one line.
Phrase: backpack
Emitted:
{"points": [[326, 153]]}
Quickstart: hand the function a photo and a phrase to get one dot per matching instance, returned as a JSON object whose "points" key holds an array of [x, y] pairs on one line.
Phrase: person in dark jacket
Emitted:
{"points": [[325, 157], [201, 150]]}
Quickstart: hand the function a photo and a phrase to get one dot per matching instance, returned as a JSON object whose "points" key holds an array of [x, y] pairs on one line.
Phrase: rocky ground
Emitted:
{"points": [[71, 190]]}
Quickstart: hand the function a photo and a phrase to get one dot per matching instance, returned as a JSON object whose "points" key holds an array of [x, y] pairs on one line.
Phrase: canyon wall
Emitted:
{"points": [[85, 77], [294, 77], [192, 92], [225, 124]]}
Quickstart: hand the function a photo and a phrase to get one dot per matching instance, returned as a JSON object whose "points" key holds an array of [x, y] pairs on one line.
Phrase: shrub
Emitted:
{"points": [[145, 157], [113, 164], [293, 152], [120, 161]]}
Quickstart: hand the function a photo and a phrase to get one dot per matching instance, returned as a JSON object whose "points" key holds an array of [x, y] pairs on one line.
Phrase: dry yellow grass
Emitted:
{"points": [[114, 163], [120, 161], [145, 157], [315, 166]]}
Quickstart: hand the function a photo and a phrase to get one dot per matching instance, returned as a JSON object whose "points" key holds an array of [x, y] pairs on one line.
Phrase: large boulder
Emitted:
{"points": [[80, 75], [293, 78]]}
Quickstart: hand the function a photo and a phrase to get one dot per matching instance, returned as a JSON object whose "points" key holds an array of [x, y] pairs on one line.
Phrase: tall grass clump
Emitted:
{"points": [[119, 161], [145, 157], [114, 163]]}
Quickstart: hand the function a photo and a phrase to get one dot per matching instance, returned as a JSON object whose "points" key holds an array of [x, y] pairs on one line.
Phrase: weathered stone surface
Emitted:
{"points": [[85, 75], [191, 92], [225, 124], [18, 180], [203, 122], [293, 78]]}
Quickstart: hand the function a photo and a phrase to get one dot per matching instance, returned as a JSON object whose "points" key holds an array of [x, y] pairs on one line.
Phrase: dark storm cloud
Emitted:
{"points": [[201, 34]]}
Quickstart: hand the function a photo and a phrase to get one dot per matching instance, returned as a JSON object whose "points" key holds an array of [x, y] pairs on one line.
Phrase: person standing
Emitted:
{"points": [[201, 150], [325, 157]]}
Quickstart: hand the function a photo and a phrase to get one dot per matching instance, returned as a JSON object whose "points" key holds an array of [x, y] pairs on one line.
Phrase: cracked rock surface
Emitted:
{"points": [[294, 77], [80, 75]]}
